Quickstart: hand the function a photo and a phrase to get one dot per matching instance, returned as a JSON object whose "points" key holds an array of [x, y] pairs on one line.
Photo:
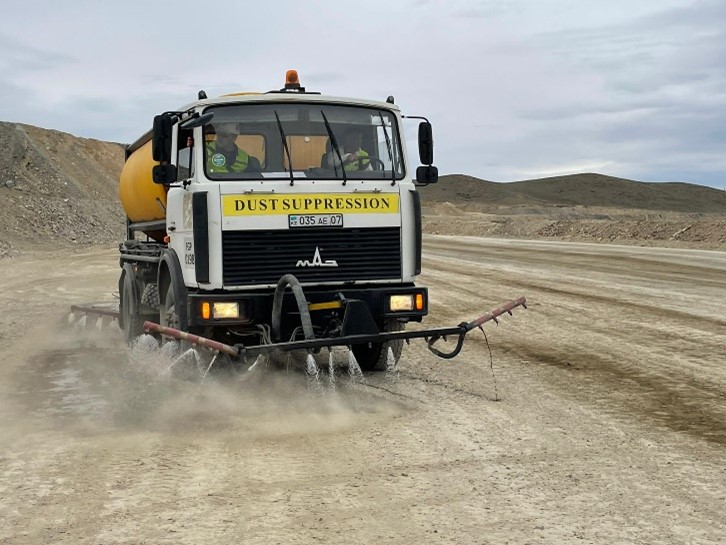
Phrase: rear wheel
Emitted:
{"points": [[374, 356]]}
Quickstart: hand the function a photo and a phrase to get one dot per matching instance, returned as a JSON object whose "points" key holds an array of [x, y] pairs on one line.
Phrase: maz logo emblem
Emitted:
{"points": [[317, 261]]}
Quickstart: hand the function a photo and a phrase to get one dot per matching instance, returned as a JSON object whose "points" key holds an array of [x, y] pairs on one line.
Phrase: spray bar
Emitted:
{"points": [[430, 335]]}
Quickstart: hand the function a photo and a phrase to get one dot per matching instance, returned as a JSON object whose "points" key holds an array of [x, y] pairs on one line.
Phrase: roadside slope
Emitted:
{"points": [[57, 189], [586, 190]]}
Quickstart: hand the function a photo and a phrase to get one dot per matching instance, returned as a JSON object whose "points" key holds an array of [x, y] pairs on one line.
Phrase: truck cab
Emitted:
{"points": [[256, 188]]}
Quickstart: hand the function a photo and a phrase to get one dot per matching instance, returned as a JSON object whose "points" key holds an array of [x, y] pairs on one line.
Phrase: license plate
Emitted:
{"points": [[316, 220]]}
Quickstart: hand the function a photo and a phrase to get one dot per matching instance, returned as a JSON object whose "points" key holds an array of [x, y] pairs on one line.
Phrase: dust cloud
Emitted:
{"points": [[83, 380]]}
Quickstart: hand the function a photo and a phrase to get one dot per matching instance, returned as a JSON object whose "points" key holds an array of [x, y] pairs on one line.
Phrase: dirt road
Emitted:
{"points": [[604, 420]]}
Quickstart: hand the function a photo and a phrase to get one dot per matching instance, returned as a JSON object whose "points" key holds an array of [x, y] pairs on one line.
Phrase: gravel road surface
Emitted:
{"points": [[599, 418]]}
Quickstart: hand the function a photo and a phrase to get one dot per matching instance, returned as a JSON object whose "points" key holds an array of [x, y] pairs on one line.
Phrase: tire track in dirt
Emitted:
{"points": [[659, 390]]}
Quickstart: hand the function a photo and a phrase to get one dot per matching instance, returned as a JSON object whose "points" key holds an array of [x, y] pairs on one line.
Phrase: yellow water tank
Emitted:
{"points": [[142, 199]]}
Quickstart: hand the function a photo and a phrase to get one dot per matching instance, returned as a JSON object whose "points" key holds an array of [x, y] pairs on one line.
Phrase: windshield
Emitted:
{"points": [[250, 141]]}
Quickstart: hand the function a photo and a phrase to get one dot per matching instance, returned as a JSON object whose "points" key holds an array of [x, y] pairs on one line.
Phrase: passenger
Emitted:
{"points": [[355, 157], [223, 154]]}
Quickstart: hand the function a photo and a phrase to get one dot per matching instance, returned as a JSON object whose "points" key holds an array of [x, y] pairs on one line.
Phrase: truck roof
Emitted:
{"points": [[272, 96], [242, 98]]}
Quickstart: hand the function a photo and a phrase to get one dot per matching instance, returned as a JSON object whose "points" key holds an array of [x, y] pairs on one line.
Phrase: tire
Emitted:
{"points": [[374, 356], [168, 314], [131, 320], [150, 297]]}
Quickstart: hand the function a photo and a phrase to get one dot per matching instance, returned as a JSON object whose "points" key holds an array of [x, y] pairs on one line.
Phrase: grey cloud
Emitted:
{"points": [[18, 57], [700, 14], [325, 77], [483, 10], [639, 98]]}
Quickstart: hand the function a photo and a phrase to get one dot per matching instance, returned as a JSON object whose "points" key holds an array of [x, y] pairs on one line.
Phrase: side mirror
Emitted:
{"points": [[425, 143], [164, 174], [427, 174], [161, 138]]}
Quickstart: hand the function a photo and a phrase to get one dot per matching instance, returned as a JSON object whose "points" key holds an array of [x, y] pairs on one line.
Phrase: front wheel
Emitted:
{"points": [[131, 320], [169, 315], [374, 356]]}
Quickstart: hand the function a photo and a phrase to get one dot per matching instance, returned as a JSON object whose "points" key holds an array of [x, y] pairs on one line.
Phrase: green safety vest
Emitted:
{"points": [[362, 162], [217, 162]]}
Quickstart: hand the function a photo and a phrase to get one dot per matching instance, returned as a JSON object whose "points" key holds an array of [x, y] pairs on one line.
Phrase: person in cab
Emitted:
{"points": [[355, 157], [352, 152], [223, 154]]}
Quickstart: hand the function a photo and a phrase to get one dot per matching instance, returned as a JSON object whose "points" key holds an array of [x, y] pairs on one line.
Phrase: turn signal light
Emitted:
{"points": [[206, 311], [419, 301]]}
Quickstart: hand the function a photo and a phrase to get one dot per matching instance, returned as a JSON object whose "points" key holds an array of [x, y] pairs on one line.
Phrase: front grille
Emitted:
{"points": [[262, 257]]}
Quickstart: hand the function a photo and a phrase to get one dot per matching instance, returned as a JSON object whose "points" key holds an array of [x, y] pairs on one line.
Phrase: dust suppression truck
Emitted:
{"points": [[284, 219]]}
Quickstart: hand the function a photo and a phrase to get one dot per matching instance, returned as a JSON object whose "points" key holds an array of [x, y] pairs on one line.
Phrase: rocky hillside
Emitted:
{"points": [[582, 207], [581, 190], [60, 190], [57, 189]]}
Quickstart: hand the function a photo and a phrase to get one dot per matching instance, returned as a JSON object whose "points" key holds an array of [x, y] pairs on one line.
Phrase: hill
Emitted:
{"points": [[581, 207], [582, 190], [57, 188]]}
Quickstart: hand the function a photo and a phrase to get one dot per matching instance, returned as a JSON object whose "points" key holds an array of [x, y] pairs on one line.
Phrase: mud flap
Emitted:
{"points": [[357, 319]]}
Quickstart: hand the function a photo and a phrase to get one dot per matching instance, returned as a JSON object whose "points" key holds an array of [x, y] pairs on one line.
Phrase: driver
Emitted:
{"points": [[223, 154]]}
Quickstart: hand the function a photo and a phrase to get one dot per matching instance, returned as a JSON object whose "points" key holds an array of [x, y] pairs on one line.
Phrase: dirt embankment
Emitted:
{"points": [[57, 189], [585, 207], [637, 227]]}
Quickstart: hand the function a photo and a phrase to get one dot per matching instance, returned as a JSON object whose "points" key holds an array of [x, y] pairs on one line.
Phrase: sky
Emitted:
{"points": [[515, 89]]}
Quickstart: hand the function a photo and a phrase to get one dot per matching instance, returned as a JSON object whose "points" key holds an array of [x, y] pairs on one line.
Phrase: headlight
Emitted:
{"points": [[400, 302], [225, 310]]}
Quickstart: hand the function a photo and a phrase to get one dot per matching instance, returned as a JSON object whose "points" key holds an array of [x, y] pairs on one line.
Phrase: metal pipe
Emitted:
{"points": [[132, 257], [90, 309], [190, 338], [497, 312]]}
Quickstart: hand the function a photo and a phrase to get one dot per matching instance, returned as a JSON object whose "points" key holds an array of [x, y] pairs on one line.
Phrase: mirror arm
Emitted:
{"points": [[416, 117]]}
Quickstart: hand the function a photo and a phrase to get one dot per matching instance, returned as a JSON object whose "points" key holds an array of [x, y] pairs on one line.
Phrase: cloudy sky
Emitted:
{"points": [[515, 88]]}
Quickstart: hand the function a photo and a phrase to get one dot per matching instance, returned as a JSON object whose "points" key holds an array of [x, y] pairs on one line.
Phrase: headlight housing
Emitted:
{"points": [[221, 310], [400, 303]]}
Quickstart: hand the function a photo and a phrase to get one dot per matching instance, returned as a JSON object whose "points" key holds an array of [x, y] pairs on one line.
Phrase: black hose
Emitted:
{"points": [[302, 305], [447, 355]]}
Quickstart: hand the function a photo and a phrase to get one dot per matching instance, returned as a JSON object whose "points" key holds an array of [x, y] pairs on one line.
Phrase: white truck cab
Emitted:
{"points": [[285, 188]]}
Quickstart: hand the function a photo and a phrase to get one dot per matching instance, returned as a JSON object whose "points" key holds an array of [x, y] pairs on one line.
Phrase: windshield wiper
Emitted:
{"points": [[390, 150], [334, 143], [287, 149]]}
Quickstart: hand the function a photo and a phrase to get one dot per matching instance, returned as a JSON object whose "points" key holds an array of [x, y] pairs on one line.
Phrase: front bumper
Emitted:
{"points": [[256, 307]]}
